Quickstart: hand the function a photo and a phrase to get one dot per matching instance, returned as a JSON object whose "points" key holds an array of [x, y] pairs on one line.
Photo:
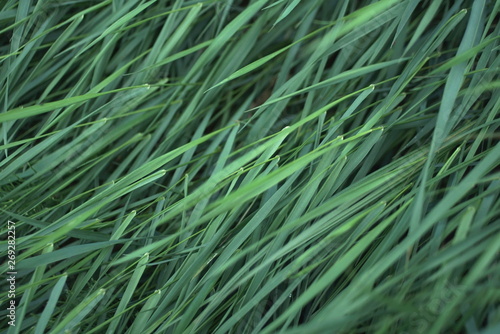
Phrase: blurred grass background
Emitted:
{"points": [[269, 166]]}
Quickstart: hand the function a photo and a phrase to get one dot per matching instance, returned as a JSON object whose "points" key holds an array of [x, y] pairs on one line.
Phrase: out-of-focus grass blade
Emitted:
{"points": [[73, 318], [48, 311]]}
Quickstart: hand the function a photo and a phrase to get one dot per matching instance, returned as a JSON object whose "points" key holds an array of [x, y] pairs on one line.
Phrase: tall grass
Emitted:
{"points": [[262, 166]]}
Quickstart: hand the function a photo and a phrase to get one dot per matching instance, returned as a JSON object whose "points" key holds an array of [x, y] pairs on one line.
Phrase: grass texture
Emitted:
{"points": [[264, 166]]}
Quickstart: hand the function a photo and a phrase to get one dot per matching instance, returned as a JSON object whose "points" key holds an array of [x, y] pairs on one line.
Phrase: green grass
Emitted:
{"points": [[263, 166]]}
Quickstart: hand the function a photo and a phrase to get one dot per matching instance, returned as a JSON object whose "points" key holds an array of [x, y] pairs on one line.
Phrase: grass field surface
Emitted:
{"points": [[262, 166]]}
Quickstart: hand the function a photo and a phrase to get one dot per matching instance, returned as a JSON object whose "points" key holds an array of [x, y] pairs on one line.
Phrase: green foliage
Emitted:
{"points": [[262, 166]]}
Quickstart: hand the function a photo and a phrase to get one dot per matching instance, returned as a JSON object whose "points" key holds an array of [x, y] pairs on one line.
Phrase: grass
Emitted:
{"points": [[251, 166]]}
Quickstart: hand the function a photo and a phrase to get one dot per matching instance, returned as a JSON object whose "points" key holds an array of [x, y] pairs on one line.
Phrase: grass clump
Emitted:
{"points": [[251, 166]]}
